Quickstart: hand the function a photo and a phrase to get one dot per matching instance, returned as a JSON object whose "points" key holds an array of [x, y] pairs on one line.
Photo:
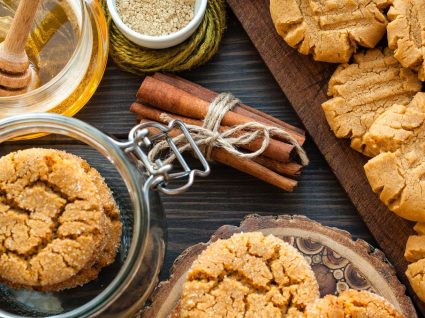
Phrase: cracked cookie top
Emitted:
{"points": [[351, 303], [112, 229], [248, 275], [396, 126], [406, 33], [330, 30], [52, 222], [398, 174], [363, 90]]}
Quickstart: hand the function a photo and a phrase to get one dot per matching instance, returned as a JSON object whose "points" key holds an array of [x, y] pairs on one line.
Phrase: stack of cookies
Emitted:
{"points": [[376, 94], [59, 223], [251, 275]]}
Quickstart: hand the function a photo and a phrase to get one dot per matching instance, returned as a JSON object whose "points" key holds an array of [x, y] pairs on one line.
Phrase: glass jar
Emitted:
{"points": [[69, 88], [122, 288]]}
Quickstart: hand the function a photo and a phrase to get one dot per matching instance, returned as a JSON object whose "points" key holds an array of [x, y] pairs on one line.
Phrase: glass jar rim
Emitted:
{"points": [[17, 126]]}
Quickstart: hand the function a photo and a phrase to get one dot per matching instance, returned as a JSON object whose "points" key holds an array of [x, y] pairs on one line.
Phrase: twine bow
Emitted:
{"points": [[209, 137]]}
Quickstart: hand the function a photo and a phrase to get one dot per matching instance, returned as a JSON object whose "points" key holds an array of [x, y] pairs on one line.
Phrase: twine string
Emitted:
{"points": [[209, 137], [218, 108]]}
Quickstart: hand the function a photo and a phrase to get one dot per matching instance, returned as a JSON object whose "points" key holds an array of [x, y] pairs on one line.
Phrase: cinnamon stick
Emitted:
{"points": [[276, 150], [177, 101], [250, 167], [157, 115], [174, 100], [242, 109], [288, 169], [254, 169]]}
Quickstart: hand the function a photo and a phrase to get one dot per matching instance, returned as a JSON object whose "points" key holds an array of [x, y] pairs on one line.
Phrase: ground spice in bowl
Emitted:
{"points": [[156, 17]]}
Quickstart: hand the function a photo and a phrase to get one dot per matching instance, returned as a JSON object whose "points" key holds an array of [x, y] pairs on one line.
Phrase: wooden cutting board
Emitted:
{"points": [[338, 262], [304, 83]]}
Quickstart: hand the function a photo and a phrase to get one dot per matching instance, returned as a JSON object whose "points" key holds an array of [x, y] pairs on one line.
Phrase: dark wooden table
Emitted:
{"points": [[227, 195]]}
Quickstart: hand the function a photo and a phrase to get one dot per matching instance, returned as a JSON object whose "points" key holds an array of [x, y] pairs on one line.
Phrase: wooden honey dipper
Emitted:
{"points": [[16, 75]]}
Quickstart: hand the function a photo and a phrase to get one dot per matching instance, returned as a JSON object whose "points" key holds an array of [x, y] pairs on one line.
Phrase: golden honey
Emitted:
{"points": [[53, 39], [68, 48]]}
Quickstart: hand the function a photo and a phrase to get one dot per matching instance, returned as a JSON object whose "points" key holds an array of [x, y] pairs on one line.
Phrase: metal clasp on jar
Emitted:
{"points": [[160, 175]]}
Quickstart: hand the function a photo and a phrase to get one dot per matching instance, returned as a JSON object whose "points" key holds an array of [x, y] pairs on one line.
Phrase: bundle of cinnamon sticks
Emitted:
{"points": [[162, 97]]}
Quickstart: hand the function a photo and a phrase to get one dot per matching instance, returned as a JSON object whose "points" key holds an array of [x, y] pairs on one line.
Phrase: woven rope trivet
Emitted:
{"points": [[195, 51]]}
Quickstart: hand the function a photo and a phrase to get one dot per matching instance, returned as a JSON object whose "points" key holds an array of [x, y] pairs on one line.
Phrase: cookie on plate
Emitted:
{"points": [[397, 175], [352, 303], [248, 275], [363, 90], [54, 229], [330, 30], [406, 33]]}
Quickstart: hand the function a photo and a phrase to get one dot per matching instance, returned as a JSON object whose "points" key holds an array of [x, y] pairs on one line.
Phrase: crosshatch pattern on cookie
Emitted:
{"points": [[363, 90], [398, 174], [331, 31], [406, 33]]}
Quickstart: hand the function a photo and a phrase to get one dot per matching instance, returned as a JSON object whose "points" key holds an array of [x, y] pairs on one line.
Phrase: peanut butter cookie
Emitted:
{"points": [[53, 226], [415, 253], [396, 126], [406, 33], [363, 90], [415, 248], [416, 275], [248, 275], [330, 30], [351, 303], [419, 228], [397, 175]]}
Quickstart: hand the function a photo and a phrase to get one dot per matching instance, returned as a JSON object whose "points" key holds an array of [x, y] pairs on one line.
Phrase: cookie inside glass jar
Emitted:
{"points": [[60, 224]]}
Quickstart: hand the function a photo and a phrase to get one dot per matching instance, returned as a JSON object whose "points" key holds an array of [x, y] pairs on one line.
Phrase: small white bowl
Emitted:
{"points": [[163, 41]]}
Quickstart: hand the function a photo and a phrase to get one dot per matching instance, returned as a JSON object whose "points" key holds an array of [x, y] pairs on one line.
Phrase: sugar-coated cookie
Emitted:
{"points": [[352, 303], [59, 222], [249, 275]]}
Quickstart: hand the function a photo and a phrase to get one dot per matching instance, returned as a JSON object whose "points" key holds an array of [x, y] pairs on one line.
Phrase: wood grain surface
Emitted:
{"points": [[227, 195], [304, 83]]}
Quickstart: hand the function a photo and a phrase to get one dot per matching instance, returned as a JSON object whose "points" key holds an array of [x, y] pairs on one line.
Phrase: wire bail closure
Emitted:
{"points": [[159, 174]]}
